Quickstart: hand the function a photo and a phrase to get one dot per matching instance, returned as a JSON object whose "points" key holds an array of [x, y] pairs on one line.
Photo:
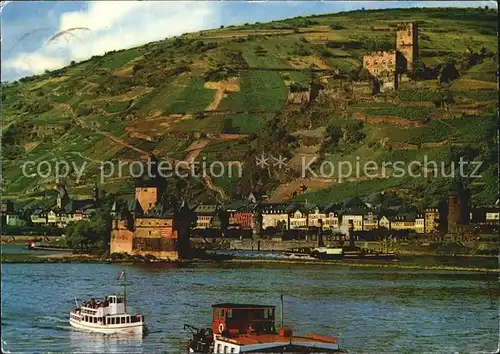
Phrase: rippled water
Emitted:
{"points": [[372, 310]]}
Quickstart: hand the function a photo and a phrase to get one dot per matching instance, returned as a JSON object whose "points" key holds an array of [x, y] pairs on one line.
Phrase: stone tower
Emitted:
{"points": [[407, 44], [458, 209]]}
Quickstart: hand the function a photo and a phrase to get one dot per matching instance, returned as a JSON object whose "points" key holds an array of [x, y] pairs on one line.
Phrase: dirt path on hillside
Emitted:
{"points": [[210, 184], [195, 148], [222, 87], [285, 191], [207, 179], [80, 122]]}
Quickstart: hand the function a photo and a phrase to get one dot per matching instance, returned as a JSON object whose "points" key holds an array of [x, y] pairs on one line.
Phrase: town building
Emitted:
{"points": [[385, 222], [327, 214], [431, 219], [420, 223], [297, 217], [274, 215], [240, 214], [354, 216], [207, 216], [404, 221], [370, 221]]}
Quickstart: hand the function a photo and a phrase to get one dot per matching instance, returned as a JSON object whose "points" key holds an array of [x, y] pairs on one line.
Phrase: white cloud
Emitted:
{"points": [[34, 62], [115, 25]]}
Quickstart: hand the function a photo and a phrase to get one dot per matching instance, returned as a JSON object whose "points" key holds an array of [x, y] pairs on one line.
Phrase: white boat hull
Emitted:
{"points": [[128, 328]]}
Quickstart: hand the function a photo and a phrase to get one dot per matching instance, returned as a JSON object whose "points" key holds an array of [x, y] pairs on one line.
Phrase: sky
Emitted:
{"points": [[103, 26]]}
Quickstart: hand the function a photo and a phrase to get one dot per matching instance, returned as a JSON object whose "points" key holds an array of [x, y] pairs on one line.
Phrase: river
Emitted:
{"points": [[370, 309]]}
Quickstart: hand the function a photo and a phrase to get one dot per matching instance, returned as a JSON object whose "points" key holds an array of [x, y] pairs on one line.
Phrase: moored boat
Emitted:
{"points": [[347, 253], [35, 246], [248, 328], [108, 316]]}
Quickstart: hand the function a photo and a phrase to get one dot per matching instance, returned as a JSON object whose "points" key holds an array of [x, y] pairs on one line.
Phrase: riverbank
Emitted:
{"points": [[462, 263]]}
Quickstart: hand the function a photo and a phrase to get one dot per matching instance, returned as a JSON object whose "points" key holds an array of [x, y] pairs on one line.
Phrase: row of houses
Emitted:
{"points": [[59, 214], [292, 216], [66, 210], [283, 216]]}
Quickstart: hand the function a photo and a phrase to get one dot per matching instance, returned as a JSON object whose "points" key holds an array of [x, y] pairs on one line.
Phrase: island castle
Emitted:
{"points": [[149, 223], [388, 67]]}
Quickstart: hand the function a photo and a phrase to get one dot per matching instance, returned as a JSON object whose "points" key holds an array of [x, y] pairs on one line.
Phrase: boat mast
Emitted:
{"points": [[282, 311], [124, 292]]}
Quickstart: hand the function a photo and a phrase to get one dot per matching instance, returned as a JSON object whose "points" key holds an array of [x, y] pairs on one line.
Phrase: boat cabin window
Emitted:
{"points": [[123, 319], [119, 300], [229, 314], [218, 313], [128, 319]]}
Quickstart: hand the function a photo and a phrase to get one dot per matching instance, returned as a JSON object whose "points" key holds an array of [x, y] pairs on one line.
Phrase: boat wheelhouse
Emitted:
{"points": [[246, 328], [107, 316]]}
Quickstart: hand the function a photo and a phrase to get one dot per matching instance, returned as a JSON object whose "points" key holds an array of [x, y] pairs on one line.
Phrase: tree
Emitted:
{"points": [[448, 73], [90, 235], [334, 134]]}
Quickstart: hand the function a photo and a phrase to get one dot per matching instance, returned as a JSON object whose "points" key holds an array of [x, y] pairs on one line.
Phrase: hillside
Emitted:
{"points": [[226, 95]]}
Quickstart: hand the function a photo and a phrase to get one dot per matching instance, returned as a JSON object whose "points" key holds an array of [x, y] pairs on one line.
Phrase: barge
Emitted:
{"points": [[249, 328]]}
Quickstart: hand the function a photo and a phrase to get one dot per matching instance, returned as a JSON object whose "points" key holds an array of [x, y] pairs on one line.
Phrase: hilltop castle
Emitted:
{"points": [[388, 67]]}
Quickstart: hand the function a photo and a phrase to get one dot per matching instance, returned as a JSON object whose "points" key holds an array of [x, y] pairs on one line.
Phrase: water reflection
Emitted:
{"points": [[90, 342]]}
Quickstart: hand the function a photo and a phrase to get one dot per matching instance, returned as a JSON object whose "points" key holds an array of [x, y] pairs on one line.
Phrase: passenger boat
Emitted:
{"points": [[247, 328], [108, 316]]}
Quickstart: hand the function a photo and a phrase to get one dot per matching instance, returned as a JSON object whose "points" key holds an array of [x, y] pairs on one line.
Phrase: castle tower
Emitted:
{"points": [[121, 230], [407, 44], [147, 196], [453, 212], [458, 209]]}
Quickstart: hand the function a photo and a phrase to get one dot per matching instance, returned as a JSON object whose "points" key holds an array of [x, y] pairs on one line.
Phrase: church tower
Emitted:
{"points": [[407, 45], [95, 193], [62, 197]]}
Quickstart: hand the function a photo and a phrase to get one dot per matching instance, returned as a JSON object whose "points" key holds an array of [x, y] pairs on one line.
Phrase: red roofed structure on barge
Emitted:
{"points": [[248, 328]]}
